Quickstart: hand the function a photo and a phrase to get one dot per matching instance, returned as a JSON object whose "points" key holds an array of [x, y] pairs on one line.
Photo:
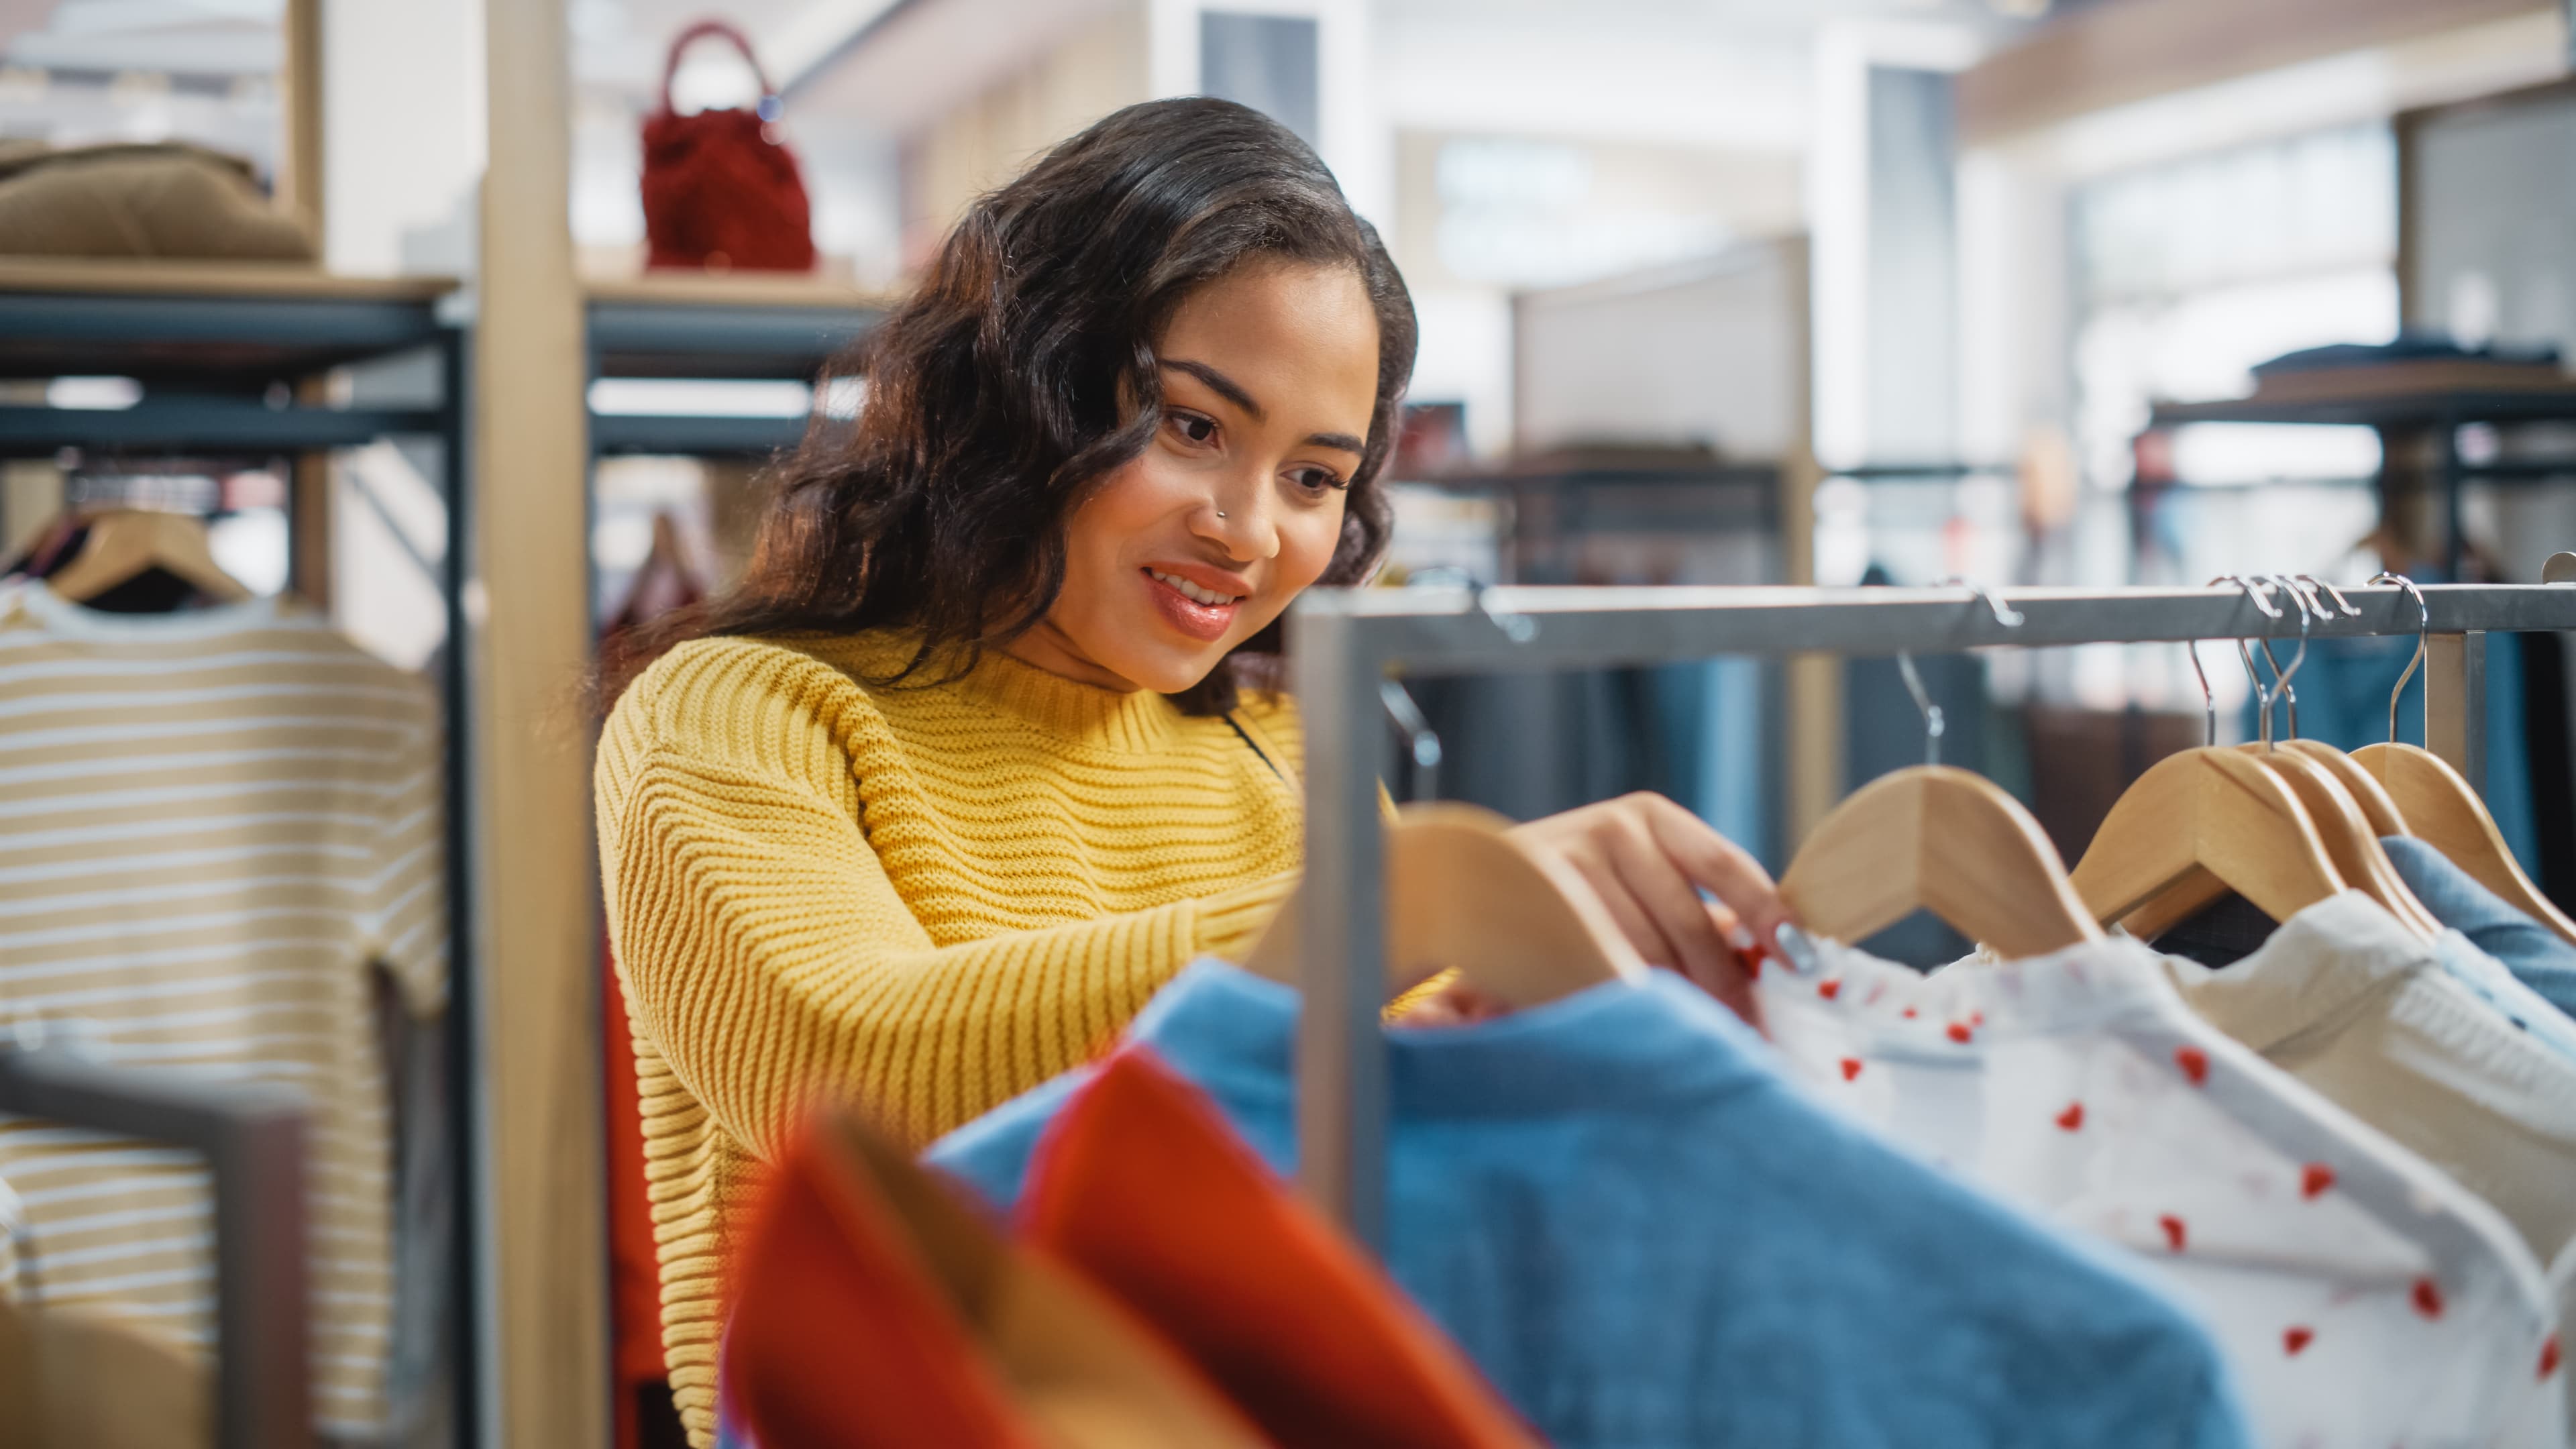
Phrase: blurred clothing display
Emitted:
{"points": [[2409, 345], [1141, 1185], [721, 192], [2079, 1085], [2532, 952], [221, 825], [163, 199], [1553, 1171]]}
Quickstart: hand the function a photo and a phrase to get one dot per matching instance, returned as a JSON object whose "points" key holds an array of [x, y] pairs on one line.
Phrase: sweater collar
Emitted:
{"points": [[2321, 962], [1136, 721]]}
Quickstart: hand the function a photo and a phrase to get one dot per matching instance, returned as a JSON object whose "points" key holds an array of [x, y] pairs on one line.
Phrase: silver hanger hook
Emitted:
{"points": [[2208, 701], [2256, 591], [1421, 742], [1933, 722], [2344, 606], [2005, 614], [2423, 636], [2308, 607]]}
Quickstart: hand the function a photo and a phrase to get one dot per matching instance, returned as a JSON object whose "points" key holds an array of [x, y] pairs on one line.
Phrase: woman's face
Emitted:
{"points": [[1269, 377]]}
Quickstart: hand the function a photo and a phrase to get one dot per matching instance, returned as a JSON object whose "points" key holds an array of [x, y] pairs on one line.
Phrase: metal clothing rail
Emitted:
{"points": [[1344, 644], [252, 1134]]}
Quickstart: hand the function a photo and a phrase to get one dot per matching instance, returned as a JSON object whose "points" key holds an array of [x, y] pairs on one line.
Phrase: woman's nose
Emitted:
{"points": [[1237, 521]]}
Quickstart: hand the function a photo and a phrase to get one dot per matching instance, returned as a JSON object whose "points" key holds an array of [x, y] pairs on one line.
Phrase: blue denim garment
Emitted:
{"points": [[1649, 1239], [2529, 950]]}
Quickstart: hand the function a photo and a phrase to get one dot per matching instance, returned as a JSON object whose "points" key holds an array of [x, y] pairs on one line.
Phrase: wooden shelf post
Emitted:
{"points": [[538, 955]]}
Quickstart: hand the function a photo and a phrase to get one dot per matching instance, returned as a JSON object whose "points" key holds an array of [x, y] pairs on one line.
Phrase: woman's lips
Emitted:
{"points": [[1204, 622]]}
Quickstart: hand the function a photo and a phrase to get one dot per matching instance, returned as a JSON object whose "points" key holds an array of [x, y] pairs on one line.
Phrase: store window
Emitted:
{"points": [[2186, 276]]}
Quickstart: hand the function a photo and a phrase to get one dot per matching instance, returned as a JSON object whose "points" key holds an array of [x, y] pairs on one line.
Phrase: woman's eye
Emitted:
{"points": [[1317, 480], [1196, 428]]}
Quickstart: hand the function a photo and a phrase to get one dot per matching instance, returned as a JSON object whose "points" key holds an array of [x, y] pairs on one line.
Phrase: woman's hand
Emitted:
{"points": [[1649, 859]]}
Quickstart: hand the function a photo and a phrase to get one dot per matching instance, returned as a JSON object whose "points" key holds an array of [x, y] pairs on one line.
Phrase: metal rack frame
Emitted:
{"points": [[253, 1136], [1344, 644]]}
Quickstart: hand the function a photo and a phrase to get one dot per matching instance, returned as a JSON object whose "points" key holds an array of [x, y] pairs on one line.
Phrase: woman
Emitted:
{"points": [[977, 756]]}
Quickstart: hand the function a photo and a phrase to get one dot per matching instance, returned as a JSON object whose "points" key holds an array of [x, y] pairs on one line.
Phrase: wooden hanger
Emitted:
{"points": [[2214, 810], [2349, 839], [1945, 840], [2201, 822], [2377, 806], [2349, 842], [2447, 815], [2367, 793], [2443, 812], [126, 542], [1459, 893]]}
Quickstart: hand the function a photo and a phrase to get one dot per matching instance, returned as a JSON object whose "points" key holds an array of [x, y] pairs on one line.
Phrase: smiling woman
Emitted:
{"points": [[980, 753]]}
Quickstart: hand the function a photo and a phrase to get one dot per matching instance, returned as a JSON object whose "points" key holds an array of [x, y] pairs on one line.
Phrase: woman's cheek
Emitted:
{"points": [[1318, 533]]}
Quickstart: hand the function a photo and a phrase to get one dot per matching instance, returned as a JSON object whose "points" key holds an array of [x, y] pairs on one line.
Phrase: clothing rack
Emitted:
{"points": [[1344, 644], [252, 1135]]}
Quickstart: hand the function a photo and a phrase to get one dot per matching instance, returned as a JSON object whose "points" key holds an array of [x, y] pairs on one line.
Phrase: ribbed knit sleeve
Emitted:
{"points": [[769, 956]]}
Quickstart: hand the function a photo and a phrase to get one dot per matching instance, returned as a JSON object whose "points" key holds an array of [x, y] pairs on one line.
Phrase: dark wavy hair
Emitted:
{"points": [[995, 391]]}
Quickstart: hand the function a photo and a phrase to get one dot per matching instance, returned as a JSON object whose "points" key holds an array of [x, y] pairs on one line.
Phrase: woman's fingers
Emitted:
{"points": [[1635, 922], [1720, 866], [1648, 860], [1655, 879]]}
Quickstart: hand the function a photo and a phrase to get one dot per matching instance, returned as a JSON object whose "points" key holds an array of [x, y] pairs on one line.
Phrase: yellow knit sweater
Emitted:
{"points": [[929, 898]]}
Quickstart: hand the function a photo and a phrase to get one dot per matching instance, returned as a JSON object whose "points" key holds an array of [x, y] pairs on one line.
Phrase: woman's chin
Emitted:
{"points": [[1170, 671]]}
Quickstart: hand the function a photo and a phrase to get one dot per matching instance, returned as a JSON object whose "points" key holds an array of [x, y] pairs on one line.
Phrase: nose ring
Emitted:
{"points": [[1220, 513]]}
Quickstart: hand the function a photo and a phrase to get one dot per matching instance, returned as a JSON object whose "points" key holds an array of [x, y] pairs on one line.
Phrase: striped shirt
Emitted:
{"points": [[214, 826]]}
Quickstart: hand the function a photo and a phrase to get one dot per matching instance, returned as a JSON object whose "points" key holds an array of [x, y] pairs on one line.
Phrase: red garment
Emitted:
{"points": [[839, 1334], [642, 1413], [634, 1269], [1142, 1185]]}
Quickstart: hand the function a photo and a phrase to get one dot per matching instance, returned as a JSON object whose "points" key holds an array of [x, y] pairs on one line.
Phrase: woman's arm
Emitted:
{"points": [[768, 957]]}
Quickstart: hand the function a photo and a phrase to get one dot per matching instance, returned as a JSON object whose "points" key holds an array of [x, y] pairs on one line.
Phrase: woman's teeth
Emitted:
{"points": [[1193, 592]]}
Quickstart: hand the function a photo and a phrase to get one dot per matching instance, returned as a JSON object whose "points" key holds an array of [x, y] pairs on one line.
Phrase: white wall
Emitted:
{"points": [[403, 131]]}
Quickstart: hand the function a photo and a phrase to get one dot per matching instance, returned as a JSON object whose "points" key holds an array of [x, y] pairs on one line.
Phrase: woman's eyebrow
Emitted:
{"points": [[1232, 391], [1222, 385]]}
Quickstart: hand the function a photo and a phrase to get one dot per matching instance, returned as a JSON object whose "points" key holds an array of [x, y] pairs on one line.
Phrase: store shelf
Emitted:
{"points": [[208, 425], [209, 342], [2387, 410], [154, 277], [235, 326], [731, 326], [690, 436]]}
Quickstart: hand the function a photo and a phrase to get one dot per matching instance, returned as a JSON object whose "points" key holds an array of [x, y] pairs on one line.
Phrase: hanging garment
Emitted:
{"points": [[642, 1412], [876, 1310], [1646, 1237], [2079, 1085], [214, 828], [2348, 1001], [2531, 951], [1142, 1187], [2344, 998]]}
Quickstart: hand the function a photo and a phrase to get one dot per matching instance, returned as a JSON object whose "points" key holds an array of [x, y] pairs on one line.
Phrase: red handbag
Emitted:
{"points": [[720, 192]]}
